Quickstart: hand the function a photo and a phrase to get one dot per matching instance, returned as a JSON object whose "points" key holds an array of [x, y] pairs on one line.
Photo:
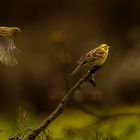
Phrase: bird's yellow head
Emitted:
{"points": [[104, 47], [15, 29]]}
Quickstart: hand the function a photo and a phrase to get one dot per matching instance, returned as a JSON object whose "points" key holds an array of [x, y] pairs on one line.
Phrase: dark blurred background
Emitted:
{"points": [[54, 35]]}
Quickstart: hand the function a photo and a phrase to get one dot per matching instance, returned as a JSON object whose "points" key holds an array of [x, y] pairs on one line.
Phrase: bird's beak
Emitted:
{"points": [[20, 30]]}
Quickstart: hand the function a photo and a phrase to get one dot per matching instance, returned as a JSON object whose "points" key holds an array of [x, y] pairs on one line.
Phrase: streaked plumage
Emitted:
{"points": [[95, 57], [7, 45]]}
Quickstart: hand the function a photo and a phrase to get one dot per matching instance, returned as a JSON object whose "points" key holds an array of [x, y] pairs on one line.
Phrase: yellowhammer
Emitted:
{"points": [[95, 57], [7, 45]]}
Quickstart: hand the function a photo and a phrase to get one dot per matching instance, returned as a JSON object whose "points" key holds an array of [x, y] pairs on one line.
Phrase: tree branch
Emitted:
{"points": [[101, 118], [64, 101]]}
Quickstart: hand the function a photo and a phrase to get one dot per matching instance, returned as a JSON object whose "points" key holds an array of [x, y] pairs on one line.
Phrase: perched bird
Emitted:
{"points": [[7, 45], [95, 57]]}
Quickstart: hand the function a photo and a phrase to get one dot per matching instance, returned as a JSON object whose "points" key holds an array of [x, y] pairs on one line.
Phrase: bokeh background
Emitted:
{"points": [[54, 36]]}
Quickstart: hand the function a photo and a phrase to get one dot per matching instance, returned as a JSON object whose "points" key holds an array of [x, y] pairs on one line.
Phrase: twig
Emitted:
{"points": [[62, 104]]}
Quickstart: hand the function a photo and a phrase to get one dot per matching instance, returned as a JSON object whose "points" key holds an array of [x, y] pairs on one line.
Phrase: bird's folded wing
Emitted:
{"points": [[86, 57], [98, 54], [92, 55]]}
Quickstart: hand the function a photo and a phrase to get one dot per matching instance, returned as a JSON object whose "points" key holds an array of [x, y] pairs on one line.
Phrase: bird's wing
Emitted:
{"points": [[92, 55], [95, 54], [7, 51], [83, 59]]}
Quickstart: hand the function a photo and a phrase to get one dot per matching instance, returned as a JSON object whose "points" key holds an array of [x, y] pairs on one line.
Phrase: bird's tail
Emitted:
{"points": [[76, 69]]}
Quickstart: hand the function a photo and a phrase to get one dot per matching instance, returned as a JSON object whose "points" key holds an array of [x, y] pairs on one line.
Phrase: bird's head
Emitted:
{"points": [[104, 47], [15, 29]]}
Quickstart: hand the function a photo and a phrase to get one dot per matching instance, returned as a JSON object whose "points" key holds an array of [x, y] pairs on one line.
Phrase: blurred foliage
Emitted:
{"points": [[70, 126]]}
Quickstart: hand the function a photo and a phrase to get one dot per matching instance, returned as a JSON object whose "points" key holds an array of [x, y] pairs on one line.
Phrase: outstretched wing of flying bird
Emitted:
{"points": [[7, 51]]}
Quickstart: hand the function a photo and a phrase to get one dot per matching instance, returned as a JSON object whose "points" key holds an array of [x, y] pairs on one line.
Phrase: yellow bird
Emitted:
{"points": [[95, 57], [7, 45]]}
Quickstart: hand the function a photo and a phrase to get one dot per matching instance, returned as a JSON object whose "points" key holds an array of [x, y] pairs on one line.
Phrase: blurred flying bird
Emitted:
{"points": [[7, 45], [95, 57]]}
